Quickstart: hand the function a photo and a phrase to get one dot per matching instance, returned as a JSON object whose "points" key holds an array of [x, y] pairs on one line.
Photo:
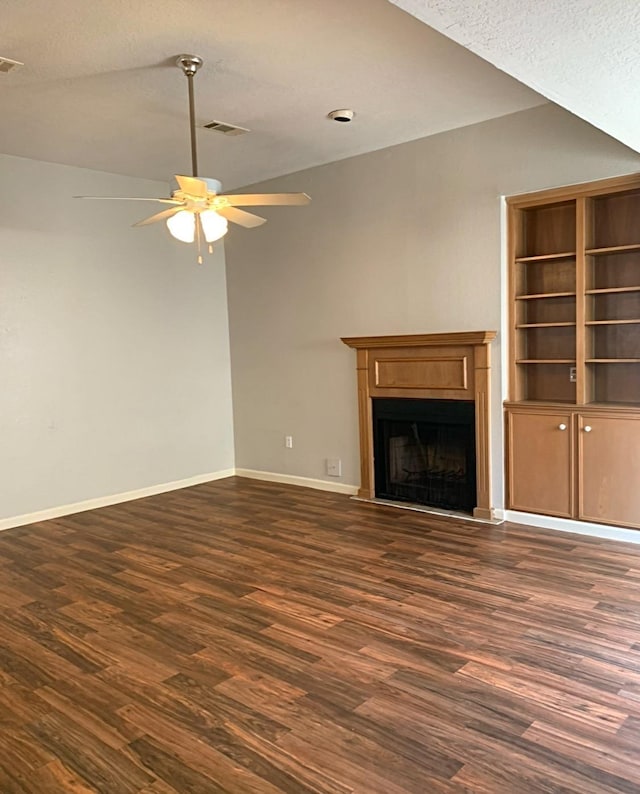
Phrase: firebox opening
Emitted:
{"points": [[425, 452]]}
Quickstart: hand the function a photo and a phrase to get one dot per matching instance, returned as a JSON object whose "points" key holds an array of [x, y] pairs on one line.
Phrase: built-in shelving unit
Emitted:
{"points": [[575, 279], [575, 351]]}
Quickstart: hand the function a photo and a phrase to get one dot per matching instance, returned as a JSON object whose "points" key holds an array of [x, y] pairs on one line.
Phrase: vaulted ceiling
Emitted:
{"points": [[582, 54], [99, 88]]}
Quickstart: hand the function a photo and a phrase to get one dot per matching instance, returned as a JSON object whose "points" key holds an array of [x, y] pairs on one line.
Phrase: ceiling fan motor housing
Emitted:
{"points": [[213, 185]]}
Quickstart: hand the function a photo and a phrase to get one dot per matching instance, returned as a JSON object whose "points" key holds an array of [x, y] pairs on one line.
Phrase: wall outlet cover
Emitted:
{"points": [[334, 467]]}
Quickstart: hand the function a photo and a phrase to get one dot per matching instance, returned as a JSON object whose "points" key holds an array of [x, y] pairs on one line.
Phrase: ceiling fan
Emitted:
{"points": [[198, 208]]}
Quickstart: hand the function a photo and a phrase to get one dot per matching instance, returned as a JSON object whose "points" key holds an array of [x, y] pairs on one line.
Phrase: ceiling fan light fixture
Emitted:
{"points": [[191, 215], [182, 226], [214, 226]]}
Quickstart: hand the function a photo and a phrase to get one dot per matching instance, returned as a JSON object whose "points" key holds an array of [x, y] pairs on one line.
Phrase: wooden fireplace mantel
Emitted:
{"points": [[450, 366], [418, 340]]}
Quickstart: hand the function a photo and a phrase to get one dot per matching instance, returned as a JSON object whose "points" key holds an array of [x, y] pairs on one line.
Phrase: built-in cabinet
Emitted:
{"points": [[573, 418], [540, 473], [609, 474], [574, 464]]}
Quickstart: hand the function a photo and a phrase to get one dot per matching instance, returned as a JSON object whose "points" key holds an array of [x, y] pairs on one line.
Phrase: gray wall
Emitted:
{"points": [[114, 347], [403, 240]]}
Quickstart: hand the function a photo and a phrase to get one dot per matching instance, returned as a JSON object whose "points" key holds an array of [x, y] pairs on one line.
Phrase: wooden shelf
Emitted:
{"points": [[546, 361], [546, 257], [629, 405], [547, 295], [613, 322], [547, 325], [540, 404], [613, 249], [610, 290], [613, 361]]}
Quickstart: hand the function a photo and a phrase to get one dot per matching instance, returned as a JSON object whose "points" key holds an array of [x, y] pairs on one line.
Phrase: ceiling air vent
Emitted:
{"points": [[226, 129], [7, 64]]}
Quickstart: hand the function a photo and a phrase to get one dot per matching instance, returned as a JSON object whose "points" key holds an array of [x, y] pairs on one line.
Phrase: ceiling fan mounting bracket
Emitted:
{"points": [[189, 64]]}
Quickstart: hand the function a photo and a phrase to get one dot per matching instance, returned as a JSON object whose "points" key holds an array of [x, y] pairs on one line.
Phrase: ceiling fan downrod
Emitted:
{"points": [[190, 65]]}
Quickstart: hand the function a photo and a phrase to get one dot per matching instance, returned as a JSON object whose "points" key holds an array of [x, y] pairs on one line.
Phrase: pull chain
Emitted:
{"points": [[198, 229]]}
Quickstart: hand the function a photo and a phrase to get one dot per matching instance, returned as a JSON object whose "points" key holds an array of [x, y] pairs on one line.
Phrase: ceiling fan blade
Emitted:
{"points": [[130, 198], [192, 185], [159, 216], [266, 199], [246, 219]]}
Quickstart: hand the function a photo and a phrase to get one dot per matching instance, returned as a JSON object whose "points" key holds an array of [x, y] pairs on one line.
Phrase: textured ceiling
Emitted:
{"points": [[581, 54], [99, 89]]}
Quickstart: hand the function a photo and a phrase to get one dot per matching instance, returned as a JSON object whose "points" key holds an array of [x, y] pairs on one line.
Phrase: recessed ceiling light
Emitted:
{"points": [[345, 115]]}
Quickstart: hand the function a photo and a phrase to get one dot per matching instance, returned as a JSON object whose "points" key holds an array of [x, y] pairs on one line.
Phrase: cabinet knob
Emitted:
{"points": [[562, 426], [587, 428]]}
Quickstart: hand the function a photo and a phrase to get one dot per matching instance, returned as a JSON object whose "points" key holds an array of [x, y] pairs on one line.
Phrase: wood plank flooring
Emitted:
{"points": [[246, 637]]}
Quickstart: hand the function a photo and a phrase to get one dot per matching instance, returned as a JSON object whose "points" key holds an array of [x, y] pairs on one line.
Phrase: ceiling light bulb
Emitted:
{"points": [[182, 226], [214, 226]]}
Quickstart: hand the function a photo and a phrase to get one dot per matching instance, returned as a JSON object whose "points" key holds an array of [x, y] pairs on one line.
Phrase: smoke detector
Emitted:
{"points": [[8, 64], [226, 129], [345, 115]]}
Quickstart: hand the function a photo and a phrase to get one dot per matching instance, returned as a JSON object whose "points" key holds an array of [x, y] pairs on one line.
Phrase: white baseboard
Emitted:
{"points": [[105, 501], [530, 519], [604, 531], [292, 479]]}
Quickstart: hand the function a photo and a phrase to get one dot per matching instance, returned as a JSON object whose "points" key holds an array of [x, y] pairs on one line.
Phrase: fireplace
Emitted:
{"points": [[425, 452], [406, 457]]}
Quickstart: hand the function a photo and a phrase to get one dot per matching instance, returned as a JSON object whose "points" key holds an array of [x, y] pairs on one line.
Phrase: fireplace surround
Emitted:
{"points": [[441, 367]]}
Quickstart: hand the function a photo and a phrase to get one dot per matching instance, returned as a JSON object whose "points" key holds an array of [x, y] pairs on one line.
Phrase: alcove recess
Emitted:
{"points": [[575, 350]]}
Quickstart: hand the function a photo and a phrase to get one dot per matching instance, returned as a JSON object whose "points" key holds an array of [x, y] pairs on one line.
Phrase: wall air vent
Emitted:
{"points": [[226, 129], [7, 64]]}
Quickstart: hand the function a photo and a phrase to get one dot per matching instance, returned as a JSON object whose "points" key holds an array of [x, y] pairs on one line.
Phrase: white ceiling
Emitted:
{"points": [[99, 88], [582, 54]]}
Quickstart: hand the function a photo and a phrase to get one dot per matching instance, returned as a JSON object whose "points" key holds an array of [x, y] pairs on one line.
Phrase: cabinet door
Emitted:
{"points": [[540, 462], [609, 455]]}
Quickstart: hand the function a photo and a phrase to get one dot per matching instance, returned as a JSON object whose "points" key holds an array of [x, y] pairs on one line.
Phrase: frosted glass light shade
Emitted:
{"points": [[214, 226], [182, 226]]}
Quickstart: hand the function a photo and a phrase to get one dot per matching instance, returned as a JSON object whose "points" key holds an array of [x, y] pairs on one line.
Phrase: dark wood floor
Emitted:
{"points": [[248, 637]]}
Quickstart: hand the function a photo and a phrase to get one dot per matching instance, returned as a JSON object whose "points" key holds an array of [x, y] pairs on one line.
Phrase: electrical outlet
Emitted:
{"points": [[334, 467], [288, 442], [572, 375]]}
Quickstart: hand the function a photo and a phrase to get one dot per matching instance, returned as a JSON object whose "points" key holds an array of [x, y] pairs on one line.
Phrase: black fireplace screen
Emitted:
{"points": [[425, 452]]}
